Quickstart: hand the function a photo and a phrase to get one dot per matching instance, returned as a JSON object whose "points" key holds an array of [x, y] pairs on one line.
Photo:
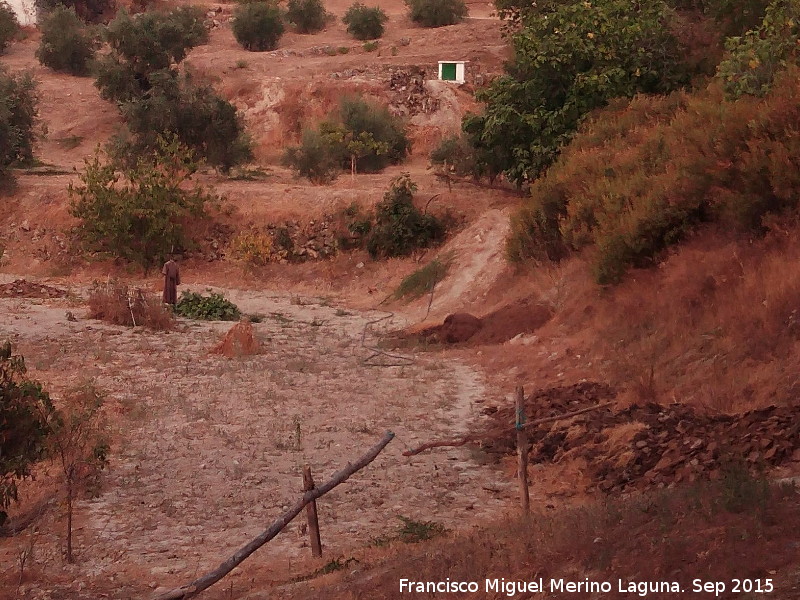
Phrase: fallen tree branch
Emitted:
{"points": [[201, 583], [474, 437]]}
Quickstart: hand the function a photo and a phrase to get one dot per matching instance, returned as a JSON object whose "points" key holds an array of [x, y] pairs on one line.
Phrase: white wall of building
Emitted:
{"points": [[25, 10]]}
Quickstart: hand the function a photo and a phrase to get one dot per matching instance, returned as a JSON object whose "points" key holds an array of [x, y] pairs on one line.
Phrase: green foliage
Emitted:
{"points": [[307, 16], [755, 58], [400, 227], [363, 22], [362, 137], [66, 44], [144, 45], [437, 13], [423, 280], [739, 491], [203, 121], [456, 155], [9, 26], [258, 26], [89, 11], [413, 532], [640, 177], [18, 112], [138, 213], [25, 423], [359, 117], [156, 100], [214, 307], [313, 158], [567, 63]]}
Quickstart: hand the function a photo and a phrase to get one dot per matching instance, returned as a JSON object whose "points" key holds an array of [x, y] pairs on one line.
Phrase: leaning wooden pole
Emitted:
{"points": [[206, 581], [522, 452], [311, 513]]}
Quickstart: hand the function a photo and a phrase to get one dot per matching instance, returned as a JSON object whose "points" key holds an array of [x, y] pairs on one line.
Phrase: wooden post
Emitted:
{"points": [[311, 514], [522, 451]]}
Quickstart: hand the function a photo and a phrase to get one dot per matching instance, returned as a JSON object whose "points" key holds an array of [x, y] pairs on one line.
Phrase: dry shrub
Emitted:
{"points": [[116, 303], [722, 529], [716, 326], [641, 177], [239, 341]]}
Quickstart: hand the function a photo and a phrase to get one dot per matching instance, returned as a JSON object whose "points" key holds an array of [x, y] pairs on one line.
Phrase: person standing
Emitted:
{"points": [[172, 279]]}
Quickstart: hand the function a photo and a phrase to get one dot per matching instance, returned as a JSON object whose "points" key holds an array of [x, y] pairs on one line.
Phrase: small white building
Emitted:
{"points": [[25, 11], [452, 70]]}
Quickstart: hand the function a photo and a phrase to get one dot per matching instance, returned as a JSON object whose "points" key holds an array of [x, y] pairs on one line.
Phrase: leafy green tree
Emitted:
{"points": [[156, 100], [358, 116], [26, 412], [66, 44], [437, 13], [203, 121], [400, 227], [9, 25], [365, 23], [313, 158], [568, 62], [258, 26], [755, 58], [360, 137], [145, 45], [89, 11], [139, 213], [307, 16], [18, 112]]}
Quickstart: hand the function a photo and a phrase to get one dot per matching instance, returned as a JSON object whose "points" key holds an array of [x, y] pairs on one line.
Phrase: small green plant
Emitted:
{"points": [[66, 44], [363, 22], [9, 26], [412, 532], [370, 46], [214, 307], [740, 491], [258, 26], [437, 13], [307, 16], [400, 227], [343, 50], [241, 64], [423, 280]]}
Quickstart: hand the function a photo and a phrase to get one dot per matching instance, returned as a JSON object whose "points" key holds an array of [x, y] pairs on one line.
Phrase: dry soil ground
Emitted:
{"points": [[208, 450]]}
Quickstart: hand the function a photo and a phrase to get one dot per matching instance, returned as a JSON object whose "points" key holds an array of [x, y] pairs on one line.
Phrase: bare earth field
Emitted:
{"points": [[209, 450]]}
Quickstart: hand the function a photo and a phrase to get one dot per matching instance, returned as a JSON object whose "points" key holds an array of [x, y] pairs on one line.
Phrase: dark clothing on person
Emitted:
{"points": [[172, 279]]}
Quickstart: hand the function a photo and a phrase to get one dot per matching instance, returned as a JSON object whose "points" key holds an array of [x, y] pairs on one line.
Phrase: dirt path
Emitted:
{"points": [[209, 450]]}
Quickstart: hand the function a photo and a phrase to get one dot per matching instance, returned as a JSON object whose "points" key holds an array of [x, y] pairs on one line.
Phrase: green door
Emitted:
{"points": [[449, 71]]}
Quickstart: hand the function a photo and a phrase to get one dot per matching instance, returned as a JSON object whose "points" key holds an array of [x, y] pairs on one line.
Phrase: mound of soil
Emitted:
{"points": [[22, 288], [648, 445], [239, 341], [523, 316]]}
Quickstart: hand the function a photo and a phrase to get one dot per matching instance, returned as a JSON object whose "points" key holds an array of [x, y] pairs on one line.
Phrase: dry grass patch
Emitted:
{"points": [[118, 304]]}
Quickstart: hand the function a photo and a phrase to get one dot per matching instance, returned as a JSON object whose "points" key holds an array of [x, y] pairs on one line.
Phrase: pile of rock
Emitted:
{"points": [[409, 95], [299, 242], [21, 288], [650, 445]]}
